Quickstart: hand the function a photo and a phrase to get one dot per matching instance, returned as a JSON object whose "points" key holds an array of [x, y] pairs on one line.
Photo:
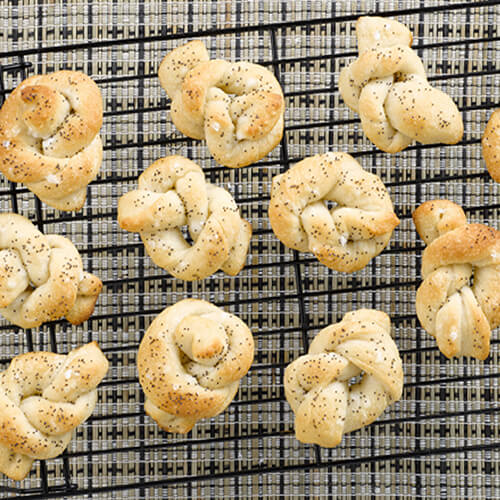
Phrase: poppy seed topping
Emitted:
{"points": [[344, 237], [319, 387], [49, 137], [387, 86], [237, 108], [43, 397], [173, 193], [190, 362], [42, 277]]}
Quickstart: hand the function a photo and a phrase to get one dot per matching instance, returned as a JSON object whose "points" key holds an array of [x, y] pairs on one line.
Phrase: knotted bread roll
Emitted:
{"points": [[173, 192], [49, 137], [318, 388], [237, 107], [43, 397], [458, 302], [42, 277], [491, 145], [190, 362], [344, 237], [388, 87]]}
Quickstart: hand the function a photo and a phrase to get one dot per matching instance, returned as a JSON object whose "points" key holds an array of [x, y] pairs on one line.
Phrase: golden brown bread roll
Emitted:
{"points": [[344, 237], [458, 313], [190, 362], [491, 145], [173, 192], [49, 137], [236, 107], [318, 388], [42, 277], [43, 397], [388, 87]]}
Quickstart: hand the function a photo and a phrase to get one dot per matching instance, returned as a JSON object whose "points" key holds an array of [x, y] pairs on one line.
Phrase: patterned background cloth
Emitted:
{"points": [[443, 438]]}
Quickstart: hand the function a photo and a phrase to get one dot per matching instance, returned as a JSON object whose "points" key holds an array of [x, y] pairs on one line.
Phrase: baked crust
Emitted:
{"points": [[43, 397], [491, 145], [388, 87], [173, 192], [349, 235], [42, 277], [317, 387], [458, 302], [49, 137], [237, 107], [190, 362]]}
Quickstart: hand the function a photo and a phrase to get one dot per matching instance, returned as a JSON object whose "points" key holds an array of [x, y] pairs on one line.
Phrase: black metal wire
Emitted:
{"points": [[338, 464], [245, 29], [297, 262]]}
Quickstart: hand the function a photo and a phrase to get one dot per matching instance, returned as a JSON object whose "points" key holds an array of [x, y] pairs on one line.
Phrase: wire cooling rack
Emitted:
{"points": [[442, 440]]}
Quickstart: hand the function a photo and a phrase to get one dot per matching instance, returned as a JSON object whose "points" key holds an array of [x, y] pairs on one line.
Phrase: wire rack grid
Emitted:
{"points": [[442, 440]]}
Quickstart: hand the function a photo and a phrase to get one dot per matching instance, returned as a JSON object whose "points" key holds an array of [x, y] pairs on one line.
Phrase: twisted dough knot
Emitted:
{"points": [[237, 107], [388, 87], [317, 385], [344, 237], [458, 302], [43, 397], [190, 363], [491, 145], [173, 192], [49, 137], [42, 277]]}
